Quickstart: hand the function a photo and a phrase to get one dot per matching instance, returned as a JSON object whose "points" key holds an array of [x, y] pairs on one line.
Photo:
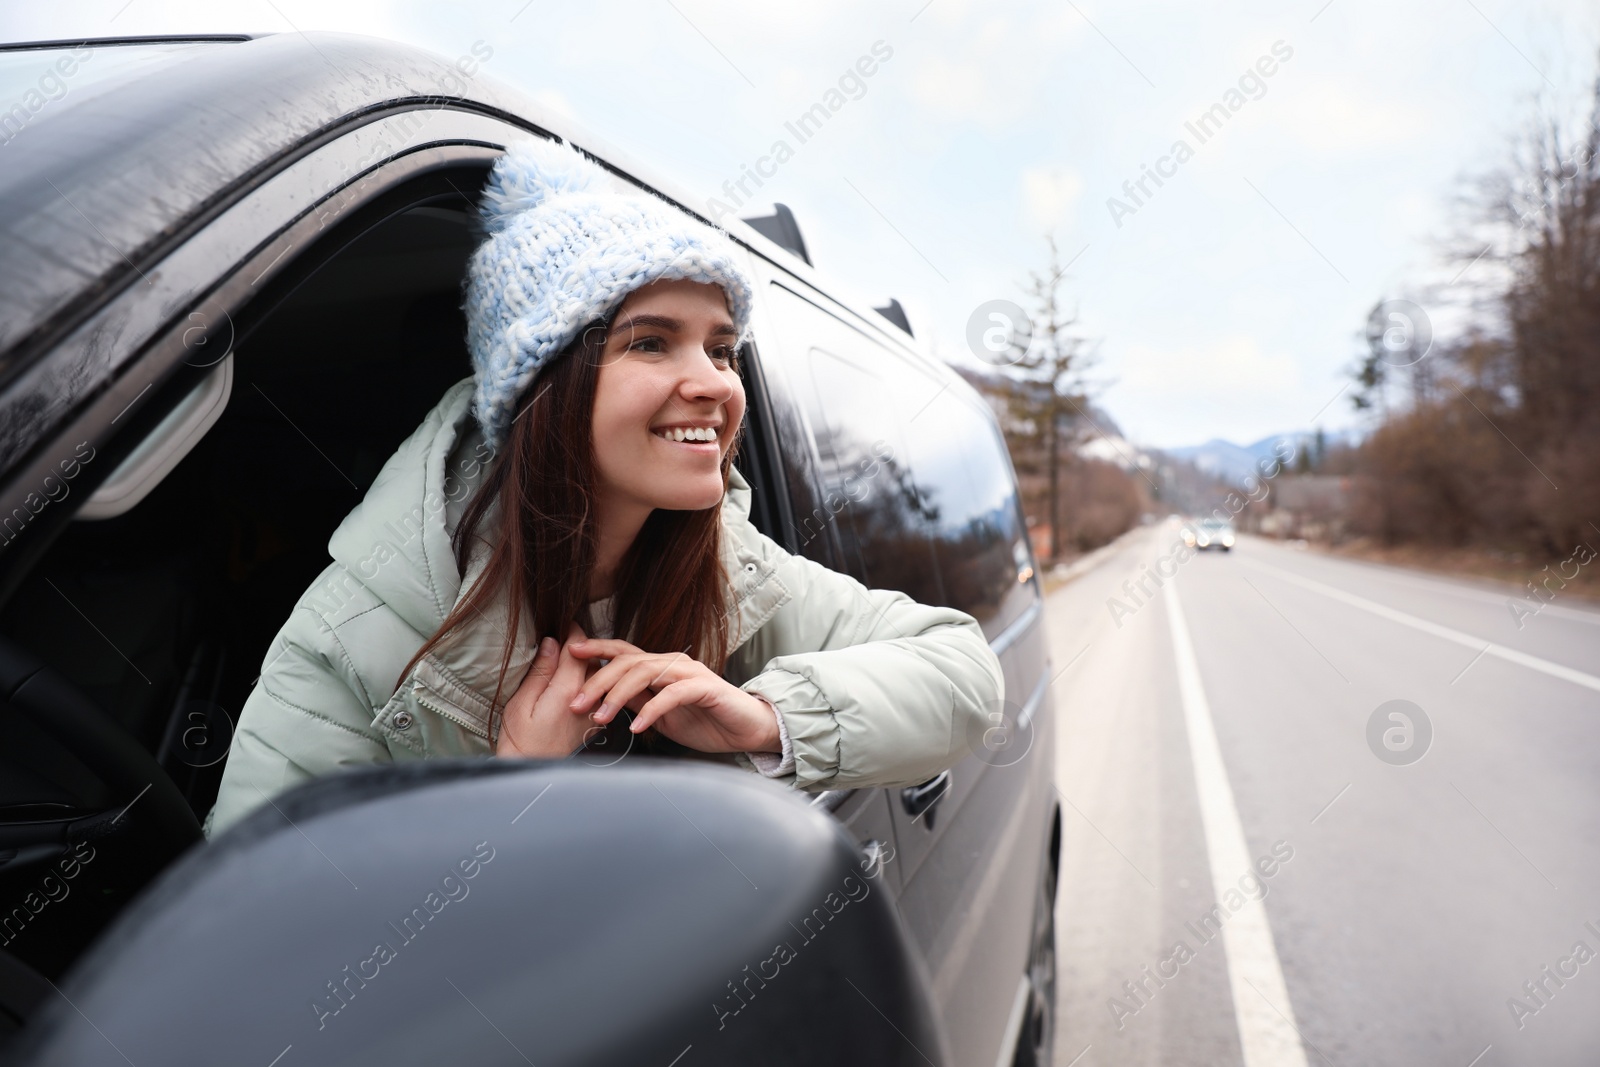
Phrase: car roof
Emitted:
{"points": [[106, 180]]}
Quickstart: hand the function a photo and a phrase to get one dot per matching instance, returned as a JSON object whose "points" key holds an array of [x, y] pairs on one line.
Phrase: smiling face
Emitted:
{"points": [[668, 399]]}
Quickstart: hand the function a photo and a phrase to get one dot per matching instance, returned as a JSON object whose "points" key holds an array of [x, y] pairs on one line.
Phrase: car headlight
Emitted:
{"points": [[1227, 539]]}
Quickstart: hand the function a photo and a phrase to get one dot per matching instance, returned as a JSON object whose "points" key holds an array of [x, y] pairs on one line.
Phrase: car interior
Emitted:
{"points": [[156, 616], [159, 615]]}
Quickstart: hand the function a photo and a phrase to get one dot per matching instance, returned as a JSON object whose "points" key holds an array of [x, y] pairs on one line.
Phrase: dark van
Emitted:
{"points": [[195, 229]]}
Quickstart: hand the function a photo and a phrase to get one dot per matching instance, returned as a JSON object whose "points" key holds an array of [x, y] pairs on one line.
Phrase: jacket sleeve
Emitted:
{"points": [[875, 689], [304, 718]]}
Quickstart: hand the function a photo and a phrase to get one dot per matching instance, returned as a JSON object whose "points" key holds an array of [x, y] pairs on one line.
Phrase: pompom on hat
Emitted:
{"points": [[564, 249]]}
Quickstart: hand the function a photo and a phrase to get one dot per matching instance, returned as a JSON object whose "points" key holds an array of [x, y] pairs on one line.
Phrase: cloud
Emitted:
{"points": [[959, 89], [989, 71], [1335, 118], [1050, 195], [1170, 394], [1233, 365]]}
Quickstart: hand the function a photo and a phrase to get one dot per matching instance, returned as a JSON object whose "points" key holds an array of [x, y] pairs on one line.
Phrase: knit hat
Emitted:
{"points": [[564, 248]]}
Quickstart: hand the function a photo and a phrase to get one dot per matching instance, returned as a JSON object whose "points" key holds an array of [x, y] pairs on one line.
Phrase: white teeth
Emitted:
{"points": [[700, 433]]}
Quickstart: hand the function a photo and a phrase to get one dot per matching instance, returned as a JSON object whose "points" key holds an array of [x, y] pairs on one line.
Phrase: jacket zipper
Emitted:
{"points": [[445, 709]]}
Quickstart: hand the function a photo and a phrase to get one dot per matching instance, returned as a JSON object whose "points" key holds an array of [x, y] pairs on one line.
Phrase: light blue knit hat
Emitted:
{"points": [[564, 248]]}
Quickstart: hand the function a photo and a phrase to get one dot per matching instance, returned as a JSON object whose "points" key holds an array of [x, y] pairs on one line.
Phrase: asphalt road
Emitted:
{"points": [[1252, 875]]}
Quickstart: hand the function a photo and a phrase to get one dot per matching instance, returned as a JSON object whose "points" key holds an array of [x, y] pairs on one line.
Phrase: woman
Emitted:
{"points": [[567, 526]]}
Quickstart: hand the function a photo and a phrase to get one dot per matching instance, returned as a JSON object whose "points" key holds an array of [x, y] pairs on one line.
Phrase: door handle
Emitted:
{"points": [[920, 800]]}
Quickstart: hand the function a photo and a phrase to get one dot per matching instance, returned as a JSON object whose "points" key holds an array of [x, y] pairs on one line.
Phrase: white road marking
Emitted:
{"points": [[1483, 596], [1510, 655], [1267, 1033]]}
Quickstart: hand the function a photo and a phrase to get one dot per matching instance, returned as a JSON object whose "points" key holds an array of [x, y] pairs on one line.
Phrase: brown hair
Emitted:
{"points": [[670, 585]]}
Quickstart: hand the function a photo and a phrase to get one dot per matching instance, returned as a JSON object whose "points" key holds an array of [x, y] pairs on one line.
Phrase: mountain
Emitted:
{"points": [[1099, 437], [1233, 463]]}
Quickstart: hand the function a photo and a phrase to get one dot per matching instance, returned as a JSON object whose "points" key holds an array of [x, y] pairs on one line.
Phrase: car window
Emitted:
{"points": [[969, 497], [174, 535], [916, 485], [160, 608], [870, 490]]}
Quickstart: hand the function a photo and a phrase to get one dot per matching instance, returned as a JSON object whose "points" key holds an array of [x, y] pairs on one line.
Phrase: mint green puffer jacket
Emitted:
{"points": [[874, 688]]}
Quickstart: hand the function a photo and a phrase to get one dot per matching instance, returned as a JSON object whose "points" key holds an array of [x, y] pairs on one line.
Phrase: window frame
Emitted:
{"points": [[142, 342], [797, 356]]}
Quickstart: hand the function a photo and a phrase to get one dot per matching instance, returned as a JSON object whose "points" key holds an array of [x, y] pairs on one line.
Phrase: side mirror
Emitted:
{"points": [[507, 912]]}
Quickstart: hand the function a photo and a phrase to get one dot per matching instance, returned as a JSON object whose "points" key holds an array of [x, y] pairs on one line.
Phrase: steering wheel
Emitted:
{"points": [[38, 827]]}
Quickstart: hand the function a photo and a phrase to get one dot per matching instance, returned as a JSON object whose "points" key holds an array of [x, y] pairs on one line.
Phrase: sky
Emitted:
{"points": [[1226, 302]]}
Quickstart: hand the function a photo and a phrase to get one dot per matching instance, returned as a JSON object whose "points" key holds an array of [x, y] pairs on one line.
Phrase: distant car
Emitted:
{"points": [[1209, 533], [208, 242]]}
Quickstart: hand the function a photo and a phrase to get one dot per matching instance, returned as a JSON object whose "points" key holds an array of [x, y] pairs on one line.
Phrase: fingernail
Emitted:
{"points": [[579, 643], [602, 713], [547, 647], [579, 701]]}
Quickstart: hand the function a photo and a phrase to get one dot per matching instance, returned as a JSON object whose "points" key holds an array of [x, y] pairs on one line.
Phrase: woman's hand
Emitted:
{"points": [[690, 704], [536, 721]]}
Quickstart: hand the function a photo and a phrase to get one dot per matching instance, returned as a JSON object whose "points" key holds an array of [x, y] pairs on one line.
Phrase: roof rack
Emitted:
{"points": [[782, 230], [897, 315]]}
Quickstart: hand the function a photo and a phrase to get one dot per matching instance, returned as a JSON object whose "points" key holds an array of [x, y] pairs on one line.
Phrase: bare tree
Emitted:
{"points": [[1502, 441], [1053, 397]]}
